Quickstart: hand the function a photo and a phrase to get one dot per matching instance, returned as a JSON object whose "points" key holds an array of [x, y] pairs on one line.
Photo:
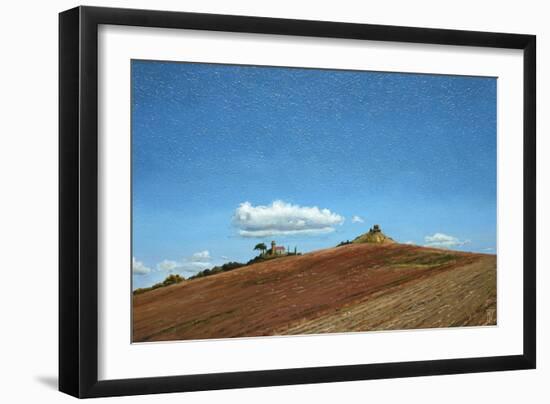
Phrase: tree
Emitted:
{"points": [[172, 278], [260, 247]]}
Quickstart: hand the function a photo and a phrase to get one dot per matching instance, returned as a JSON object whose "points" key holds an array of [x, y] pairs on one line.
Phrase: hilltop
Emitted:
{"points": [[360, 286], [374, 235]]}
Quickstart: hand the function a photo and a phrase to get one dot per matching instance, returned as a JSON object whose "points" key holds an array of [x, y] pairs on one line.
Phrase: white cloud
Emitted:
{"points": [[138, 268], [201, 256], [281, 218], [357, 219], [195, 266], [272, 232], [187, 266], [167, 265], [409, 242], [444, 240]]}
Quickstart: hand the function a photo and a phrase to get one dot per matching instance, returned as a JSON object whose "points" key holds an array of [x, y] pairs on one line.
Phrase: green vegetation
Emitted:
{"points": [[234, 265], [268, 257], [344, 243], [229, 266], [260, 247], [170, 280], [218, 269]]}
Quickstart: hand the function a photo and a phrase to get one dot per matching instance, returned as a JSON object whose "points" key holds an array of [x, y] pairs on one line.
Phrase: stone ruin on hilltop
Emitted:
{"points": [[375, 236]]}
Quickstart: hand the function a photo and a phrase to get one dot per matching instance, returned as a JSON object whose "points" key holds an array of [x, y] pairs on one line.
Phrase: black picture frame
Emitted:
{"points": [[78, 201]]}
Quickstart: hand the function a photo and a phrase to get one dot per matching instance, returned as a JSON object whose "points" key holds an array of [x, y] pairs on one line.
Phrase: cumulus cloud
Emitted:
{"points": [[409, 242], [444, 241], [281, 218], [138, 268], [201, 256], [357, 219], [187, 266], [167, 265]]}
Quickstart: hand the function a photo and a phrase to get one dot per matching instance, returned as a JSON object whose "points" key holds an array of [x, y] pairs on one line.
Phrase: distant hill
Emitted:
{"points": [[374, 235], [360, 286]]}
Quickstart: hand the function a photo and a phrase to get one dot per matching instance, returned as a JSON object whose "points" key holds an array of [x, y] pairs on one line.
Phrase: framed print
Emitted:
{"points": [[251, 201]]}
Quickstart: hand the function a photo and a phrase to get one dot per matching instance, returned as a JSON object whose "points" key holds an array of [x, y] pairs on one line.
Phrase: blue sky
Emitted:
{"points": [[225, 157]]}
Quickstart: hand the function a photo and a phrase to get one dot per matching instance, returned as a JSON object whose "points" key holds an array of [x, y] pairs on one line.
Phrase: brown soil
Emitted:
{"points": [[357, 287]]}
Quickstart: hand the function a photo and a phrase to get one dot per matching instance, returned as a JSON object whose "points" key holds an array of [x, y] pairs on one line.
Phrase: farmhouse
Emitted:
{"points": [[277, 250]]}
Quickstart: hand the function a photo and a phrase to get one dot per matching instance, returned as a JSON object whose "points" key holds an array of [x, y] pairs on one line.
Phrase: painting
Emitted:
{"points": [[277, 201]]}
